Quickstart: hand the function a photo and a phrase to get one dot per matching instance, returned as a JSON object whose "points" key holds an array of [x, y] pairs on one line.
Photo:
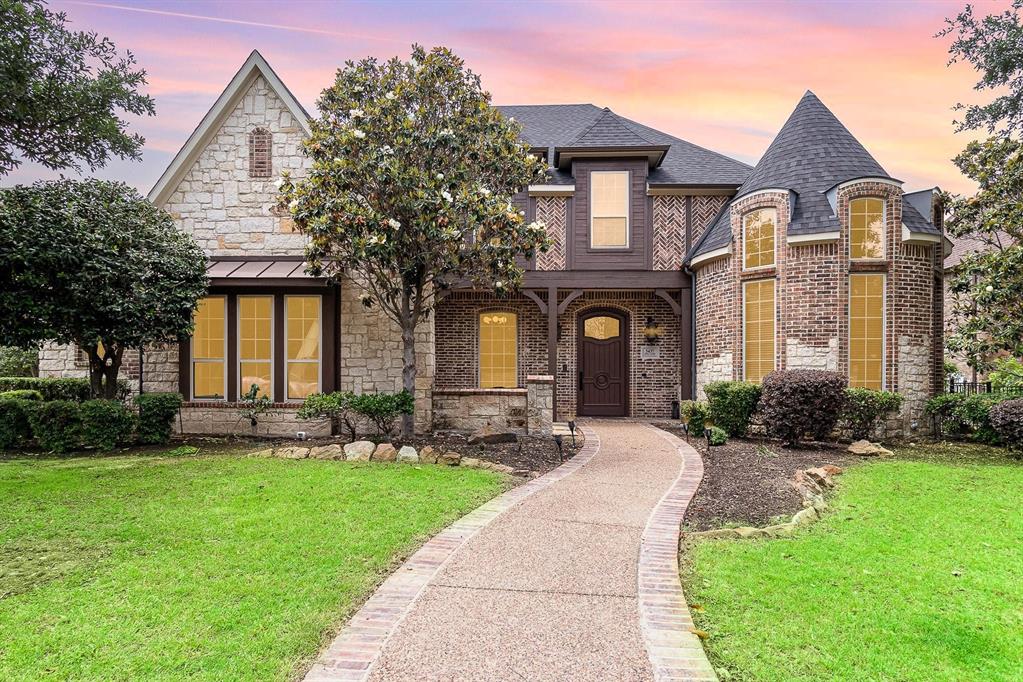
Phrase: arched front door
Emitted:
{"points": [[603, 364]]}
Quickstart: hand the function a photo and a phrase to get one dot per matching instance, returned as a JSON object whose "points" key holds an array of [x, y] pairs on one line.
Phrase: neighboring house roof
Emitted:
{"points": [[576, 125], [964, 245], [253, 67], [812, 153]]}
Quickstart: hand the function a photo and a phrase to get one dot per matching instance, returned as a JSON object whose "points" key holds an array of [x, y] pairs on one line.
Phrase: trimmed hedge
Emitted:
{"points": [[695, 414], [106, 424], [57, 425], [76, 389], [798, 402], [716, 436], [865, 407], [732, 404], [1007, 421], [22, 394], [15, 428], [156, 416], [382, 408]]}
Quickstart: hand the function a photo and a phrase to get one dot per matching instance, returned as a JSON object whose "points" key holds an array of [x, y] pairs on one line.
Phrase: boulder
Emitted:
{"points": [[867, 449], [449, 458], [428, 455], [715, 534], [832, 470], [501, 468], [805, 516], [805, 486], [408, 455], [820, 477], [333, 451], [359, 451], [471, 463], [489, 435], [384, 452], [265, 452], [295, 452]]}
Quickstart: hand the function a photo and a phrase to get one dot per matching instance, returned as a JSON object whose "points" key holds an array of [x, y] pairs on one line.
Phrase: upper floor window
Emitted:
{"points": [[498, 350], [758, 229], [866, 228], [609, 209], [260, 142]]}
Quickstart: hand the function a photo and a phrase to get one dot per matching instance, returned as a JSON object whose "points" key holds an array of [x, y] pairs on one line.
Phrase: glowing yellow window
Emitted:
{"points": [[866, 228], [255, 357], [209, 349], [758, 316], [303, 342], [609, 209], [866, 331], [602, 328], [498, 338], [758, 229]]}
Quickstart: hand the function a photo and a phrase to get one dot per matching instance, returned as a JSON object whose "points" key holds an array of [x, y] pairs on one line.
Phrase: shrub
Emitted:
{"points": [[798, 402], [18, 362], [1007, 421], [383, 408], [22, 394], [1007, 375], [864, 408], [338, 407], [732, 404], [966, 415], [57, 425], [716, 436], [695, 414], [106, 424], [15, 428], [156, 415], [59, 388], [254, 405]]}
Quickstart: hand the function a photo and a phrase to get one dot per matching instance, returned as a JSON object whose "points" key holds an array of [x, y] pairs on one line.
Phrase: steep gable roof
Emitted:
{"points": [[254, 67]]}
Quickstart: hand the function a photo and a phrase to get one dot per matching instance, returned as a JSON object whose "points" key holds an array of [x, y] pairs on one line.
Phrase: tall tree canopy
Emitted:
{"points": [[62, 92], [411, 187], [95, 264]]}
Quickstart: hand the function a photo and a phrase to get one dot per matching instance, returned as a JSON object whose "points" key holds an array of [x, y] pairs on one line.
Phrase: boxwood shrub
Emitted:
{"points": [[22, 394], [57, 425], [15, 429], [716, 436], [695, 414], [966, 415], [59, 388], [732, 404], [864, 408], [800, 402], [106, 424], [1007, 421], [156, 416]]}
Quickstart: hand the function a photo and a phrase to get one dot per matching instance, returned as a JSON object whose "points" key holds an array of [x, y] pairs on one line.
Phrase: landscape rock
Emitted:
{"points": [[471, 463], [867, 449], [333, 451], [805, 516], [805, 486], [832, 469], [408, 455], [384, 452], [294, 452], [449, 458], [820, 477], [359, 451], [716, 534], [751, 533], [266, 452], [428, 455], [489, 435]]}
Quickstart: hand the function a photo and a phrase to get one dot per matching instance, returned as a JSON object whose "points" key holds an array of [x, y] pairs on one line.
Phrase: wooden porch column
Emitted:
{"points": [[552, 341]]}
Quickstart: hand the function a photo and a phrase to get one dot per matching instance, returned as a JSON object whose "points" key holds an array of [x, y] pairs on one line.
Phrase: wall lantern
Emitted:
{"points": [[651, 331]]}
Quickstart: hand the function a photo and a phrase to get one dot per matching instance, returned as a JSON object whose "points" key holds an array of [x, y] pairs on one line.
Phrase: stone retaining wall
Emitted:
{"points": [[224, 419], [468, 409]]}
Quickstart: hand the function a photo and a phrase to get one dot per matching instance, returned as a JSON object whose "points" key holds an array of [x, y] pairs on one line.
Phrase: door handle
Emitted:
{"points": [[580, 380]]}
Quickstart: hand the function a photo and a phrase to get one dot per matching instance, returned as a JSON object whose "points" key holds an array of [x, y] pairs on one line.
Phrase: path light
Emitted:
{"points": [[571, 427], [561, 452], [651, 331]]}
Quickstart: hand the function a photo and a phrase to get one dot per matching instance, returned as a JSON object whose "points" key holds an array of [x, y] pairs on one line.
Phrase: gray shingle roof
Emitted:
{"points": [[812, 153], [562, 125]]}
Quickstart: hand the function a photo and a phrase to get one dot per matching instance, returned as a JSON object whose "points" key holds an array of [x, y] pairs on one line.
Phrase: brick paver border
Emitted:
{"points": [[676, 653], [351, 655]]}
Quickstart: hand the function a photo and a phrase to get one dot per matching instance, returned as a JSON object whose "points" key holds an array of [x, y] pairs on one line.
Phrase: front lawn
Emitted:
{"points": [[915, 574], [203, 568]]}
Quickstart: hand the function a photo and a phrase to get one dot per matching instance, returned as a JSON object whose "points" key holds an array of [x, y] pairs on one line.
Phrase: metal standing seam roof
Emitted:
{"points": [[258, 269]]}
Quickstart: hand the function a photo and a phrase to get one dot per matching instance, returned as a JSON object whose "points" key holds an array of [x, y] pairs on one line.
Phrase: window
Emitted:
{"points": [[758, 229], [866, 228], [498, 341], [758, 329], [209, 349], [602, 328], [303, 346], [255, 345], [866, 330], [260, 142], [609, 209]]}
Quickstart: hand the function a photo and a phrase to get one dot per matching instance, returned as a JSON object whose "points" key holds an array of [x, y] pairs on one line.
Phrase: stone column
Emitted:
{"points": [[539, 404]]}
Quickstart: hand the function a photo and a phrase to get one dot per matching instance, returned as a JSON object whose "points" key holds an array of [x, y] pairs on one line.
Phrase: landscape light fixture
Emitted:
{"points": [[571, 428], [561, 452]]}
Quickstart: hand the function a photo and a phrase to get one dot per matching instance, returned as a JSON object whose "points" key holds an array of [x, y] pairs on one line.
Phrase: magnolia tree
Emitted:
{"points": [[411, 188], [95, 264]]}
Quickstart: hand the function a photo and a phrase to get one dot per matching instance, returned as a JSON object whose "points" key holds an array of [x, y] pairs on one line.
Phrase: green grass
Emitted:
{"points": [[202, 568], [915, 574]]}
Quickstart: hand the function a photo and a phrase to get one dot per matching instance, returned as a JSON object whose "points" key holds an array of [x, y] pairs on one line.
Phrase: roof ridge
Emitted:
{"points": [[629, 123], [606, 113]]}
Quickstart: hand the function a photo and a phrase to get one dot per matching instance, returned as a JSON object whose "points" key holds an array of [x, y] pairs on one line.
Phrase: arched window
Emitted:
{"points": [[498, 349], [260, 143], [758, 229], [866, 228]]}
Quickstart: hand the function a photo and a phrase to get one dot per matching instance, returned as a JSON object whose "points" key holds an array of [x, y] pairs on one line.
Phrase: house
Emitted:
{"points": [[672, 266]]}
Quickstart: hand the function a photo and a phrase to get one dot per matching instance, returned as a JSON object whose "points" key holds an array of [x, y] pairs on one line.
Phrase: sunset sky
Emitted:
{"points": [[724, 75]]}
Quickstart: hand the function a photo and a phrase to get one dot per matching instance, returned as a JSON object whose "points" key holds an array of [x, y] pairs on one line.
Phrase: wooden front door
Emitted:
{"points": [[603, 341]]}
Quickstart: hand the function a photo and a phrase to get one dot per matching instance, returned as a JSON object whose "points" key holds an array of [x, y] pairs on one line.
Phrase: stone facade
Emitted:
{"points": [[540, 404], [219, 419], [468, 409]]}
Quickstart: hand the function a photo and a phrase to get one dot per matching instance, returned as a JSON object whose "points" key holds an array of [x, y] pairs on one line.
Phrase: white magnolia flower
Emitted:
{"points": [[990, 288], [522, 213], [414, 63], [386, 149], [378, 239], [390, 95], [411, 116], [358, 134], [484, 191], [278, 182], [355, 113], [394, 223], [447, 195], [440, 176], [498, 284], [511, 119], [292, 204]]}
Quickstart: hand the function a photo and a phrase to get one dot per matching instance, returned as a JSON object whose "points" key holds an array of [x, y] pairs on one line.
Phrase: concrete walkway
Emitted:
{"points": [[574, 577]]}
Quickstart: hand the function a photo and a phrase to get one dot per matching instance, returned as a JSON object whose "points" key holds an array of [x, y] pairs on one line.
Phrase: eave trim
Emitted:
{"points": [[711, 255]]}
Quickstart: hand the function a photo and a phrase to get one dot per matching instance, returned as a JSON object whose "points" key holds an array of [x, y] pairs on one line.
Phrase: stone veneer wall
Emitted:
{"points": [[468, 409], [221, 420]]}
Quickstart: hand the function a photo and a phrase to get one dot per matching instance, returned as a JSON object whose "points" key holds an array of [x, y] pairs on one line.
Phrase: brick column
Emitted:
{"points": [[539, 404]]}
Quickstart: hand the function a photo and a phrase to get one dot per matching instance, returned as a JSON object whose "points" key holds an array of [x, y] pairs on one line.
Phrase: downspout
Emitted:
{"points": [[692, 327]]}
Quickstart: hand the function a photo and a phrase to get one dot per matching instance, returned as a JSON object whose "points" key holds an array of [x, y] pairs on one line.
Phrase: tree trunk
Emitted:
{"points": [[112, 369], [408, 369], [103, 371]]}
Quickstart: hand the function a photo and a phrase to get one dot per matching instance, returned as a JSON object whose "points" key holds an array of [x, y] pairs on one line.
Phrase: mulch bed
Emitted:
{"points": [[745, 481], [530, 453]]}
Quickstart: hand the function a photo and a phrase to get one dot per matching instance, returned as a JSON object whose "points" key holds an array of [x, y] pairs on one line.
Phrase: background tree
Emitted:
{"points": [[987, 307], [411, 188], [61, 91], [92, 263]]}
